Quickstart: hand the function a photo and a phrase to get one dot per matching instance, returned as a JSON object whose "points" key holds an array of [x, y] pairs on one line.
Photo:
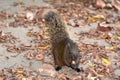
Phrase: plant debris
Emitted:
{"points": [[26, 53]]}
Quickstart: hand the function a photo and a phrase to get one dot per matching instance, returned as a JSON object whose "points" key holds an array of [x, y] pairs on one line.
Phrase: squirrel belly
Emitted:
{"points": [[65, 51]]}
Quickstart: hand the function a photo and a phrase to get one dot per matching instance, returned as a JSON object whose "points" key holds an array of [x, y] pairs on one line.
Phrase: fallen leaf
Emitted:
{"points": [[116, 4], [93, 71], [24, 78], [101, 75], [109, 48], [40, 57], [92, 78], [35, 0], [20, 70], [113, 52], [39, 79], [79, 24], [61, 76], [1, 78], [14, 15], [29, 55], [100, 4], [43, 47], [20, 76], [92, 65], [98, 16], [30, 34], [47, 5], [118, 38], [103, 28], [106, 61], [39, 13]]}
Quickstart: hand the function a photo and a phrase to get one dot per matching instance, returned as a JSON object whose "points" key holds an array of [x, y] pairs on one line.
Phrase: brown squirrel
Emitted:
{"points": [[64, 50]]}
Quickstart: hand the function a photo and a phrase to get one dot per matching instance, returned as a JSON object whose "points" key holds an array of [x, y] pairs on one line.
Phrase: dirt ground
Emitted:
{"points": [[24, 45]]}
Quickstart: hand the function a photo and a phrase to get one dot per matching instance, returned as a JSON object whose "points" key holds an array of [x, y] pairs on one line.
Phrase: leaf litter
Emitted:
{"points": [[96, 58]]}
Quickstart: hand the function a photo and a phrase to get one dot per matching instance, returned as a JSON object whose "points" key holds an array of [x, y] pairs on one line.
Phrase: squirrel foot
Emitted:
{"points": [[79, 70], [58, 68]]}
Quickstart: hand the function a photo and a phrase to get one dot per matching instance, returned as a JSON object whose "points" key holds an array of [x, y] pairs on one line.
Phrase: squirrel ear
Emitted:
{"points": [[68, 44], [67, 48]]}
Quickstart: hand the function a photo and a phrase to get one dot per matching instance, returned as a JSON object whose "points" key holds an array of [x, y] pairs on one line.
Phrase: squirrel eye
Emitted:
{"points": [[70, 53]]}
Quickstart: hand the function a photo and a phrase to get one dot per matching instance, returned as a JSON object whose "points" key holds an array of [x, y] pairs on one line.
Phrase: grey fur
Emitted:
{"points": [[68, 51]]}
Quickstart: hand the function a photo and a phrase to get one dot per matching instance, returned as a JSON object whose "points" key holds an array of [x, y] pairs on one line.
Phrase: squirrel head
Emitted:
{"points": [[71, 55], [52, 18]]}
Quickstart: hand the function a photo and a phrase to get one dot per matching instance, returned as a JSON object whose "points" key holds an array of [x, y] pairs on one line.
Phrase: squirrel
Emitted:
{"points": [[65, 51]]}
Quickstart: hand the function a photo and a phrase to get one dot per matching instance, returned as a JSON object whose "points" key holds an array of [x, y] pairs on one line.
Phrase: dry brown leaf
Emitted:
{"points": [[25, 79], [11, 49], [116, 4], [39, 13], [43, 47], [100, 4], [62, 75], [40, 57], [1, 78], [19, 76], [79, 24], [30, 34], [93, 71], [98, 16], [103, 28], [30, 55], [39, 79]]}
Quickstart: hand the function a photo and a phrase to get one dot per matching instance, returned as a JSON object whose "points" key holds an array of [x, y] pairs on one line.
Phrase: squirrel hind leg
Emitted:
{"points": [[57, 68], [79, 70]]}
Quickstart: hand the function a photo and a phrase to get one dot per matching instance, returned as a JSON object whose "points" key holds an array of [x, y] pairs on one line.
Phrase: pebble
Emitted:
{"points": [[29, 15], [47, 70], [71, 23], [117, 72]]}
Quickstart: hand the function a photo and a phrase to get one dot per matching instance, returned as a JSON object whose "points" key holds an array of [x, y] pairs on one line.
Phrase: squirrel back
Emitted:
{"points": [[65, 51], [56, 27]]}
